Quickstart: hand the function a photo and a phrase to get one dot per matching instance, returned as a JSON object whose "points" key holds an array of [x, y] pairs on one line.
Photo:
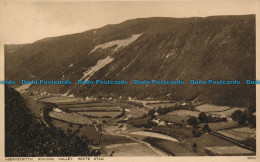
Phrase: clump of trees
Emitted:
{"points": [[204, 118], [245, 117]]}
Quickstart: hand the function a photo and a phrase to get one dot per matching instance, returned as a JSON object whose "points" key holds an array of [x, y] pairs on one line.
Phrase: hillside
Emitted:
{"points": [[217, 48], [27, 136]]}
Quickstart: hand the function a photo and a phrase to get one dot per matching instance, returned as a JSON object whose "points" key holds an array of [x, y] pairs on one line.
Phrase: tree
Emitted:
{"points": [[151, 114], [206, 128], [192, 121], [236, 114], [203, 117]]}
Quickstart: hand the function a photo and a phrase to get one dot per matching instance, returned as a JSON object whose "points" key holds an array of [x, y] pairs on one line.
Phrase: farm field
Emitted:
{"points": [[61, 99], [239, 134], [132, 112], [162, 105], [208, 140], [220, 125], [95, 109], [173, 131], [227, 113], [171, 147], [86, 104], [155, 135], [174, 118], [230, 150], [70, 117], [100, 114], [211, 108], [129, 149], [186, 113]]}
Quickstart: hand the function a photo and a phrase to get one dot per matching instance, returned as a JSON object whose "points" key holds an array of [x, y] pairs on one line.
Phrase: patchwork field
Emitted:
{"points": [[211, 108], [230, 150], [129, 149], [105, 109], [162, 105], [61, 99], [86, 104], [100, 114], [220, 125], [70, 117], [227, 113], [174, 118], [186, 113], [239, 134]]}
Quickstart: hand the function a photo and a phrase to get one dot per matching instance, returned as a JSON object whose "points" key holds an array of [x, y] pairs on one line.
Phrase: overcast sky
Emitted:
{"points": [[30, 21]]}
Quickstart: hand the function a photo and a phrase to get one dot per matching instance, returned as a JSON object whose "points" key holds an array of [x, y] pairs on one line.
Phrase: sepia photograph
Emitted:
{"points": [[111, 79]]}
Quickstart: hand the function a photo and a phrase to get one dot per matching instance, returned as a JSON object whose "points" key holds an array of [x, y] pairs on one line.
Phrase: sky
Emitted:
{"points": [[26, 22]]}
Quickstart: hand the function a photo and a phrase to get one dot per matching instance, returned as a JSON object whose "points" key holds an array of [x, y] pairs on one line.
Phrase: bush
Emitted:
{"points": [[203, 117], [192, 121]]}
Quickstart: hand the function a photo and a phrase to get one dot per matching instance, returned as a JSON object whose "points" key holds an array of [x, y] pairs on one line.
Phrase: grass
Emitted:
{"points": [[70, 117], [162, 105], [95, 109], [220, 125], [173, 131], [186, 113], [100, 114], [211, 108], [174, 118], [239, 134], [227, 113], [208, 140], [170, 147], [88, 131]]}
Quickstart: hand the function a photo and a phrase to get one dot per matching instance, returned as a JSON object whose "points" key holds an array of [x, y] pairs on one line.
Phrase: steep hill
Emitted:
{"points": [[217, 48]]}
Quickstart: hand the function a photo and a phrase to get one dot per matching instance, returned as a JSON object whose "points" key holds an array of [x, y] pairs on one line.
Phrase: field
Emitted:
{"points": [[162, 105], [61, 99], [186, 113], [70, 117], [174, 118], [227, 113], [208, 140], [89, 131], [129, 149], [173, 131], [105, 109], [211, 108], [220, 125], [230, 150], [100, 114], [239, 134], [170, 147], [86, 104], [132, 112]]}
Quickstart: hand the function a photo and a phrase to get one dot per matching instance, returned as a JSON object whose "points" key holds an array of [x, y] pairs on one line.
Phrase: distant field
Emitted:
{"points": [[220, 125], [209, 140], [211, 108], [174, 118], [90, 104], [173, 131], [228, 112], [86, 130], [239, 134], [70, 117], [162, 105], [186, 113], [100, 114], [170, 147], [230, 150], [61, 99], [129, 149], [132, 112], [96, 109]]}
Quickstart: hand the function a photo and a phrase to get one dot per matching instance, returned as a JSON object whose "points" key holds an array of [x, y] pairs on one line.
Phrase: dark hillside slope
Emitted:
{"points": [[217, 48], [27, 137]]}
